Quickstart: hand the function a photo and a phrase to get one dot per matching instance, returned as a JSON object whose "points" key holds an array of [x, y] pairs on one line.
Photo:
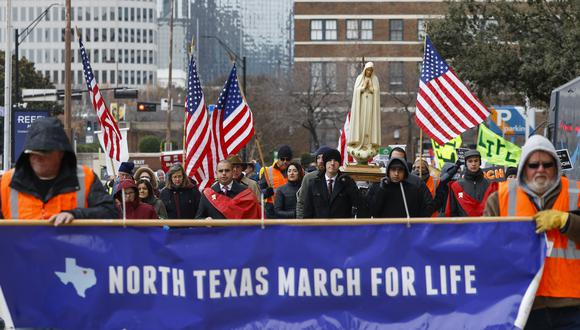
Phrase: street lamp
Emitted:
{"points": [[19, 38], [234, 57]]}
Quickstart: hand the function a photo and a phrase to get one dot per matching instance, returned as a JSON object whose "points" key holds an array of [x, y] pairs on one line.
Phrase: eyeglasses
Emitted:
{"points": [[285, 159], [534, 166]]}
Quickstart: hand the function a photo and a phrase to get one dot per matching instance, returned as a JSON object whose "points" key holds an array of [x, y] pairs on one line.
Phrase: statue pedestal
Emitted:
{"points": [[368, 173]]}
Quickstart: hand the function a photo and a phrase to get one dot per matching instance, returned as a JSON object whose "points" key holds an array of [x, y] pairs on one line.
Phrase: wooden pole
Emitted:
{"points": [[262, 160], [259, 222]]}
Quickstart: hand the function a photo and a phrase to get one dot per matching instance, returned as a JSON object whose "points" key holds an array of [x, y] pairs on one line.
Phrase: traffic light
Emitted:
{"points": [[126, 93], [146, 107]]}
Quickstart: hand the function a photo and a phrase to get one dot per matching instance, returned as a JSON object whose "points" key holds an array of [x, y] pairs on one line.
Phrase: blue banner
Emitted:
{"points": [[462, 276]]}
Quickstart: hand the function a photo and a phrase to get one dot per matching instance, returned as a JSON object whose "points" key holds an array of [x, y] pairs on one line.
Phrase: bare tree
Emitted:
{"points": [[316, 100]]}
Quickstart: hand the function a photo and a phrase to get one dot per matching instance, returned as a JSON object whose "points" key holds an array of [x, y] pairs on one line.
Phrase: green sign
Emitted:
{"points": [[496, 150], [446, 153]]}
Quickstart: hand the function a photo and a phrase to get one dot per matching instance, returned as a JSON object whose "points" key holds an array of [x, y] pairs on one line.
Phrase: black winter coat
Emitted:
{"points": [[206, 209], [345, 200], [285, 202], [180, 202]]}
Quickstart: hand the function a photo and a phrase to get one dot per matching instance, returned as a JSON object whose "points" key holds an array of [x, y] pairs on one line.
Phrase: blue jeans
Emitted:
{"points": [[565, 318]]}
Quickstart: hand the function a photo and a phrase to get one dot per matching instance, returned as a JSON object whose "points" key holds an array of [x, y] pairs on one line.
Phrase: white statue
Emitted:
{"points": [[364, 138]]}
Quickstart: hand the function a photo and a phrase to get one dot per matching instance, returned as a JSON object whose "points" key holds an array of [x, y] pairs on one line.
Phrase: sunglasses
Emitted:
{"points": [[285, 159], [537, 165]]}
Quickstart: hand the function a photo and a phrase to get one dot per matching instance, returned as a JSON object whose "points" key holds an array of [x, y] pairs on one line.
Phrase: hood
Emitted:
{"points": [[538, 143], [401, 161], [47, 134], [124, 184]]}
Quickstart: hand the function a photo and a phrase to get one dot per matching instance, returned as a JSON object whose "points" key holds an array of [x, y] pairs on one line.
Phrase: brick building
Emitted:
{"points": [[333, 39]]}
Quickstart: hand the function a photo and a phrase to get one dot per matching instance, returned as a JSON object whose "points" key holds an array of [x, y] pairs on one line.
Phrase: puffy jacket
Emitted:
{"points": [[285, 202]]}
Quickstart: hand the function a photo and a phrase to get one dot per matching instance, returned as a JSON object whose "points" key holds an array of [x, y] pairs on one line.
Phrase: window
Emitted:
{"points": [[396, 76], [104, 77], [352, 73], [323, 76], [95, 13], [351, 29], [323, 30], [112, 34], [316, 30], [366, 29], [330, 30], [396, 29], [95, 34], [420, 29], [79, 13], [112, 75], [359, 29]]}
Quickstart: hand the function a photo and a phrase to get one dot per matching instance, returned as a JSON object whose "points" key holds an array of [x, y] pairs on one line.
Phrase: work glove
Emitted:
{"points": [[268, 192], [550, 219], [385, 182]]}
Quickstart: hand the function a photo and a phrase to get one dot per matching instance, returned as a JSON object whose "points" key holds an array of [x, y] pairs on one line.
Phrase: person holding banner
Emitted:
{"points": [[397, 197], [467, 195], [540, 191], [228, 199], [47, 183], [307, 179], [180, 195], [332, 194]]}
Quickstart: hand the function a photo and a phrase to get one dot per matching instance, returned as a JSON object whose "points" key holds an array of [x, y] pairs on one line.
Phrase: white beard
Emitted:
{"points": [[539, 187]]}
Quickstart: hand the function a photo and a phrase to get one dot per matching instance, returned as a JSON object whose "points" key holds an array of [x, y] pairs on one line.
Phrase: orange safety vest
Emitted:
{"points": [[562, 267], [432, 184], [276, 180], [19, 205]]}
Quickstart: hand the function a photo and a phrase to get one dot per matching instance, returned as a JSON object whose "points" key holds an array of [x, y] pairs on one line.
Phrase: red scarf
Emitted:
{"points": [[243, 206], [470, 205]]}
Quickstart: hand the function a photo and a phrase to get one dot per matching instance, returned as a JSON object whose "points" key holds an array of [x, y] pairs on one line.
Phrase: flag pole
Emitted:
{"points": [[183, 150], [420, 129], [262, 160]]}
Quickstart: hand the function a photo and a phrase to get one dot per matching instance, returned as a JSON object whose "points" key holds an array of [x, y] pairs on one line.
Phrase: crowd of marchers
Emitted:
{"points": [[48, 183]]}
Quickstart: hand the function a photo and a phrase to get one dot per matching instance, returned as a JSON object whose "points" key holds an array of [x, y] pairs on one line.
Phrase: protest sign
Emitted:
{"points": [[446, 153], [564, 159], [496, 150]]}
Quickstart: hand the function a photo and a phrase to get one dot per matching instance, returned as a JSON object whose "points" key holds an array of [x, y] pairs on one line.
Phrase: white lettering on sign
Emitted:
{"points": [[503, 116], [27, 119]]}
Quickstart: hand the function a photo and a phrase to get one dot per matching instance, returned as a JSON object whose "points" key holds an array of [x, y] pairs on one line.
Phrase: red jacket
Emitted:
{"points": [[134, 209]]}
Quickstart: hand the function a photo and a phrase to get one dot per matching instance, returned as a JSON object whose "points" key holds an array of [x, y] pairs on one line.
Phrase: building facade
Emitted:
{"points": [[120, 37], [333, 40], [182, 33]]}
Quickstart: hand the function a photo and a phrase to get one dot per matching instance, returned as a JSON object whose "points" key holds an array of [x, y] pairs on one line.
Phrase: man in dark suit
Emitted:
{"points": [[227, 199], [332, 194]]}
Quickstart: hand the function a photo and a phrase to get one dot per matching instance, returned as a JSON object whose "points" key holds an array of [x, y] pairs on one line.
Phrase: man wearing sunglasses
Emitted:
{"points": [[540, 191], [275, 178]]}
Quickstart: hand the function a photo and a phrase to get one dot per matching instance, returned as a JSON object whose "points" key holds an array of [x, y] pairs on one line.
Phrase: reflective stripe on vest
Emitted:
{"points": [[573, 193], [80, 195], [270, 175], [512, 197]]}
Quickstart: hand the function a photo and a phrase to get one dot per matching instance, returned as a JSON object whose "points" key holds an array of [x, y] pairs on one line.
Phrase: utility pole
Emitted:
{"points": [[67, 74], [170, 108], [7, 87]]}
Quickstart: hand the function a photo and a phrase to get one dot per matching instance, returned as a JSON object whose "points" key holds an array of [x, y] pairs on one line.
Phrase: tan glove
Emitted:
{"points": [[550, 219]]}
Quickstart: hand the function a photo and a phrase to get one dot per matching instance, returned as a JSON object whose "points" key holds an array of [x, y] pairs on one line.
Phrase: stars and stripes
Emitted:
{"points": [[197, 129], [111, 134], [445, 106], [238, 124], [346, 157]]}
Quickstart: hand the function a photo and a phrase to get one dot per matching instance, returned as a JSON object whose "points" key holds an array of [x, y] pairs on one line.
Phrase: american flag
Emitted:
{"points": [[111, 133], [197, 128], [237, 125], [445, 106], [206, 172], [346, 157]]}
